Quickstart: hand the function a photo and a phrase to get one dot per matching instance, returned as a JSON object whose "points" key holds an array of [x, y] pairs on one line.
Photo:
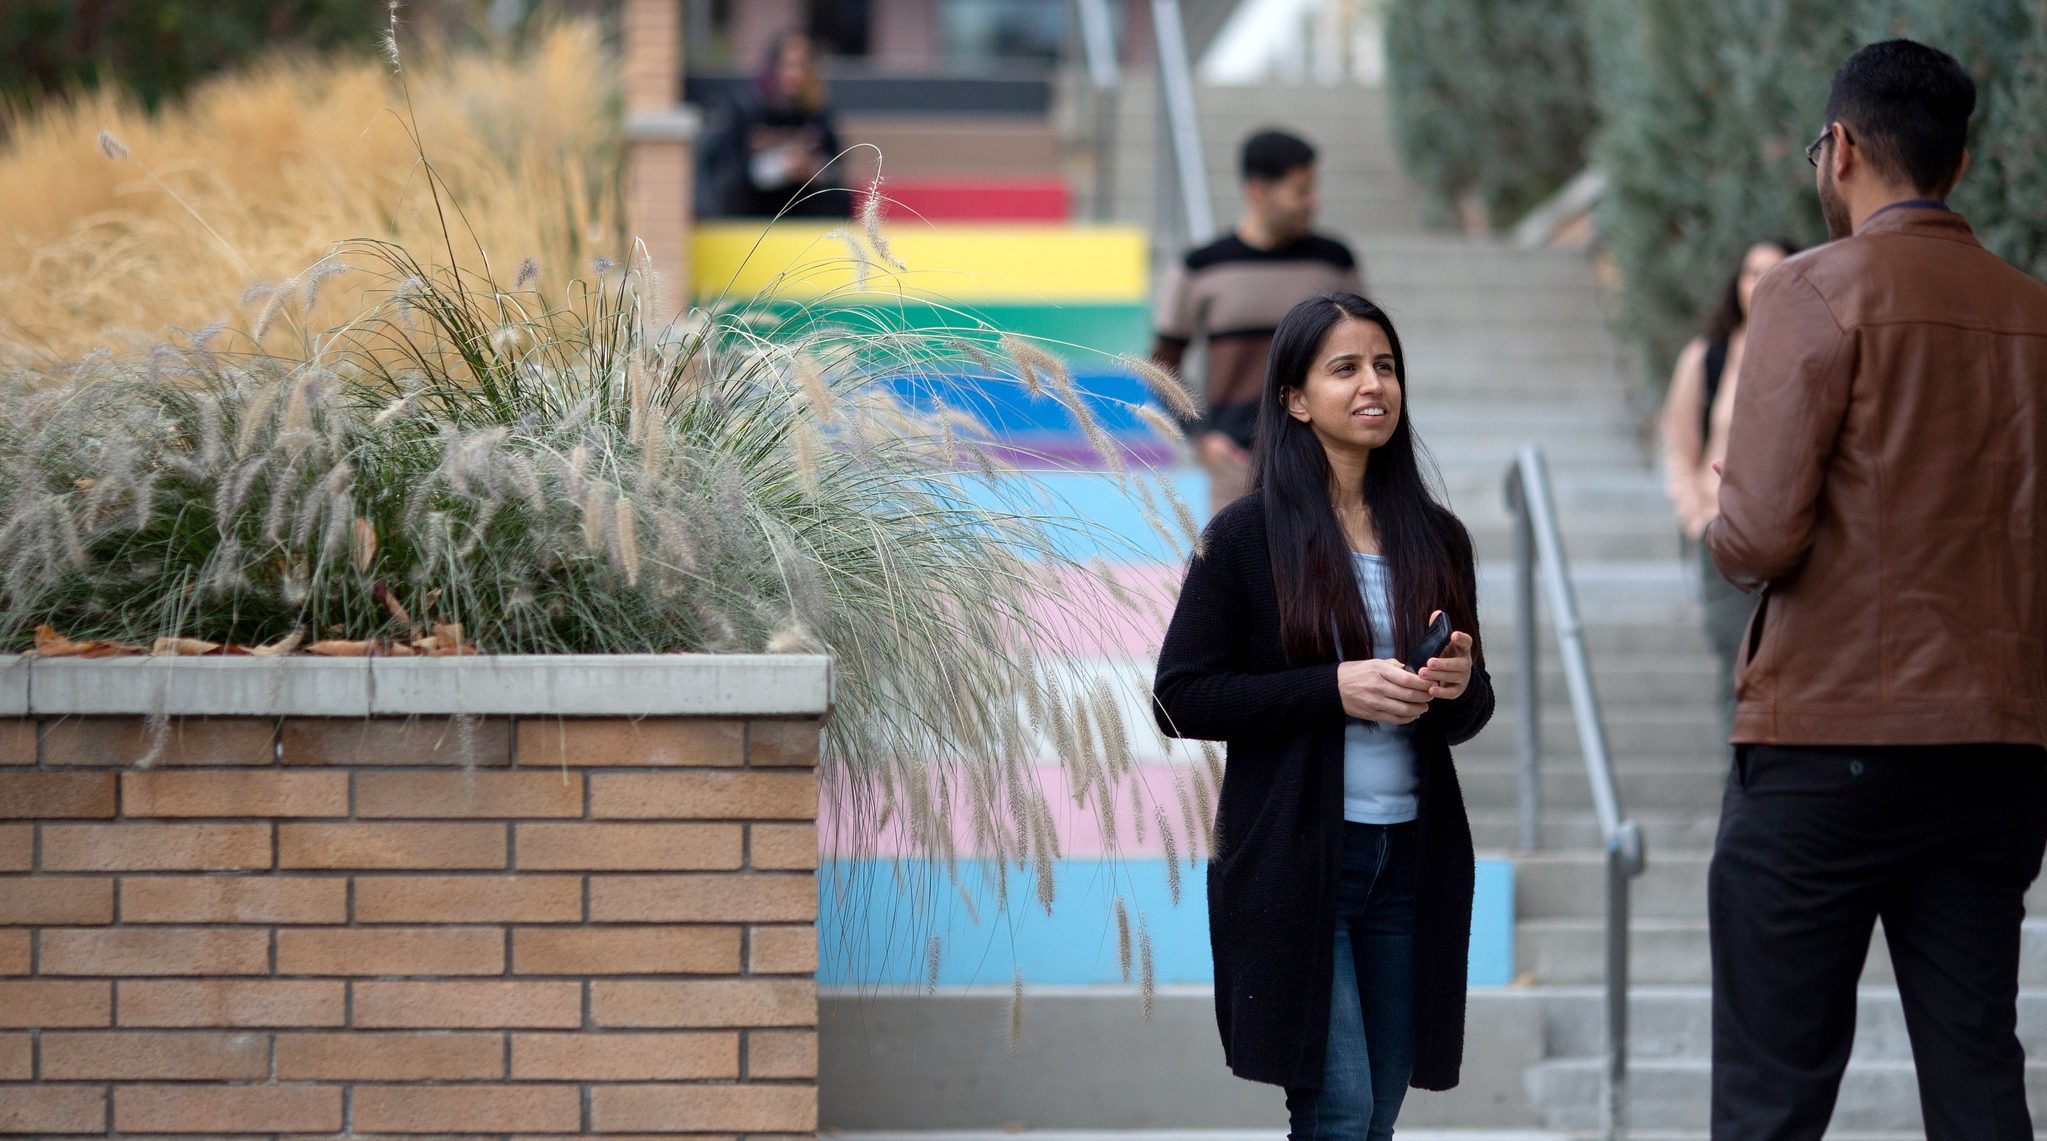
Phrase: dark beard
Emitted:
{"points": [[1834, 209]]}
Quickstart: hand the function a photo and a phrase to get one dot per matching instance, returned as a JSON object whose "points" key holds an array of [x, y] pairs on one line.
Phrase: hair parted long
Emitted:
{"points": [[1727, 314], [1428, 550]]}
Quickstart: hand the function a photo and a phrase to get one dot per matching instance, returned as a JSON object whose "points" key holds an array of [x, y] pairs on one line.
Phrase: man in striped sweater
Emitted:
{"points": [[1231, 293]]}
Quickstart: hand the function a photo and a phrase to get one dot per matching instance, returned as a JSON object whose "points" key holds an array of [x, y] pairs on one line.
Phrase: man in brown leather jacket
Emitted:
{"points": [[1885, 489]]}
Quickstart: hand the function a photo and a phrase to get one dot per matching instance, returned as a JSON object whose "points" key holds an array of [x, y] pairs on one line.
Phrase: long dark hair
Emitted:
{"points": [[1727, 315], [767, 86], [1427, 549]]}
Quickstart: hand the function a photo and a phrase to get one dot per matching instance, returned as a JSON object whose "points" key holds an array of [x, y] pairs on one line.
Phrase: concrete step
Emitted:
{"points": [[1587, 538], [1564, 786], [1436, 373], [1506, 384], [1366, 193], [1086, 1059], [1566, 827], [1533, 414], [1498, 449], [1636, 632], [1501, 756], [1550, 885], [1577, 494], [1502, 737], [1568, 442], [1702, 1135], [1673, 1094], [1406, 295], [1502, 340], [1673, 885], [1677, 1023], [1090, 1062], [1674, 952], [1494, 391], [939, 144], [1179, 1135], [1661, 681], [1632, 733], [1479, 498], [1458, 265]]}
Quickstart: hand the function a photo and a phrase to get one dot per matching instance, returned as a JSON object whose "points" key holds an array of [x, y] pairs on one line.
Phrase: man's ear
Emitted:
{"points": [[1845, 157]]}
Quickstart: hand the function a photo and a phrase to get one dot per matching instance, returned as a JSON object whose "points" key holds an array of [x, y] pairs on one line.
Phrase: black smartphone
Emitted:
{"points": [[1433, 640]]}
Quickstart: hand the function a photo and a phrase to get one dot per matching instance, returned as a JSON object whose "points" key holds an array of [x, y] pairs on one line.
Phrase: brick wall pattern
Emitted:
{"points": [[513, 928]]}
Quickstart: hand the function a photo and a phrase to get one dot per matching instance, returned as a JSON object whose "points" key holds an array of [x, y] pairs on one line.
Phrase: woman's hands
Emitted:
{"points": [[1449, 673], [1381, 689], [1384, 690]]}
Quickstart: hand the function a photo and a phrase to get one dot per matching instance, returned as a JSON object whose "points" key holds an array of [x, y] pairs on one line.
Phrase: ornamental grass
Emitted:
{"points": [[414, 433]]}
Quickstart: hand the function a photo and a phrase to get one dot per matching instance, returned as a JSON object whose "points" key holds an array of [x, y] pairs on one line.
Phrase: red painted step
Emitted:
{"points": [[975, 199]]}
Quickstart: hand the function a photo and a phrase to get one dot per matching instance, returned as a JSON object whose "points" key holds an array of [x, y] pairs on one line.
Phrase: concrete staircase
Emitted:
{"points": [[1363, 188], [1503, 346]]}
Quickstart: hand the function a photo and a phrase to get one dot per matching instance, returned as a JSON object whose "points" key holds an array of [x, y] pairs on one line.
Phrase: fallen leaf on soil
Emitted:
{"points": [[341, 648], [284, 645], [185, 647], [50, 644]]}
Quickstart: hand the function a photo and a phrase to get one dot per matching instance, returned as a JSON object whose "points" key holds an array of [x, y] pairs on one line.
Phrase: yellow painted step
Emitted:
{"points": [[961, 262]]}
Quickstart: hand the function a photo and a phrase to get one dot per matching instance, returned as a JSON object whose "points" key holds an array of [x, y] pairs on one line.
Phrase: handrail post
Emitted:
{"points": [[1530, 744], [1615, 1102]]}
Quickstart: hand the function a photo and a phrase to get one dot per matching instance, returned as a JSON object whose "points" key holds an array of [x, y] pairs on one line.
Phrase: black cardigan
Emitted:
{"points": [[1272, 881]]}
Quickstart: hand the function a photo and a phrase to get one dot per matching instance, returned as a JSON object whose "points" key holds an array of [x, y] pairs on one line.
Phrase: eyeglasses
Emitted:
{"points": [[1812, 149]]}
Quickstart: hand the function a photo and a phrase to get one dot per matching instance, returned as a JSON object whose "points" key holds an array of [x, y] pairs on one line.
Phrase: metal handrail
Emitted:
{"points": [[1539, 549], [1181, 121], [1098, 45], [1176, 85]]}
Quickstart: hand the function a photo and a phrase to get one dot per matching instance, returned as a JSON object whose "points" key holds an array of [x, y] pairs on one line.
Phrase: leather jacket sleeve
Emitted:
{"points": [[1795, 386]]}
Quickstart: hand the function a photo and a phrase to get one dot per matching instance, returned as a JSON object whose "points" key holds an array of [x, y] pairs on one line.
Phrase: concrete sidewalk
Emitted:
{"points": [[1278, 1135], [1182, 1135]]}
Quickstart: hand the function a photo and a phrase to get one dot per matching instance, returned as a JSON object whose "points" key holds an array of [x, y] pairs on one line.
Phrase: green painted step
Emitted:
{"points": [[1077, 331]]}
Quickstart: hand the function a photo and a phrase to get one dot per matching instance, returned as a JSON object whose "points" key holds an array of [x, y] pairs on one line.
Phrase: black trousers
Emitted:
{"points": [[1816, 845]]}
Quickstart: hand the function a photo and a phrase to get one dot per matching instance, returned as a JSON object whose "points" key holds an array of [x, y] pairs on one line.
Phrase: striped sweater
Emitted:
{"points": [[1232, 294]]}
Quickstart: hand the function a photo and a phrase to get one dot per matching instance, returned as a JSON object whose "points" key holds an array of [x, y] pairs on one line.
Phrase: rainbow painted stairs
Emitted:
{"points": [[1081, 289], [1504, 346]]}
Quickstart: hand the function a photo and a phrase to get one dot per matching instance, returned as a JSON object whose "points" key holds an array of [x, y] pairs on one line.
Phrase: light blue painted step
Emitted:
{"points": [[876, 918]]}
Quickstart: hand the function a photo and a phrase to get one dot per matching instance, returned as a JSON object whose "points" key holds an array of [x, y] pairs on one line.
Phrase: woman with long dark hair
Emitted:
{"points": [[1694, 428], [1339, 891]]}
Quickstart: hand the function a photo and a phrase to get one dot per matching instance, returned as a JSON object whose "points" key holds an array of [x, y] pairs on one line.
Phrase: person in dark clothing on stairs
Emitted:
{"points": [[1340, 887], [774, 151], [1230, 293]]}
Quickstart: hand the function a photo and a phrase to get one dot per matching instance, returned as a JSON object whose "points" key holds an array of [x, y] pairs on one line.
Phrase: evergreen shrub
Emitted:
{"points": [[1491, 99]]}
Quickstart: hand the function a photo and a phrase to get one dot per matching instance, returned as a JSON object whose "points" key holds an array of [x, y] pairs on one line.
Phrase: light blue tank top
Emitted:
{"points": [[1379, 780]]}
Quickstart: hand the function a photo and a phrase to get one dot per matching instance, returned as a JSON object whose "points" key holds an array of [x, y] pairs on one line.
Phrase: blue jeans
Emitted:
{"points": [[1371, 1000]]}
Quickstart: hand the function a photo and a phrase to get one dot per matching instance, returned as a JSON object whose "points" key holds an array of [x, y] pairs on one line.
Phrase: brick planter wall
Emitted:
{"points": [[595, 916]]}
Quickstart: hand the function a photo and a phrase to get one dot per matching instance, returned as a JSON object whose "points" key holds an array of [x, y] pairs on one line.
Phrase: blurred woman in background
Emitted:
{"points": [[1695, 418], [775, 150]]}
